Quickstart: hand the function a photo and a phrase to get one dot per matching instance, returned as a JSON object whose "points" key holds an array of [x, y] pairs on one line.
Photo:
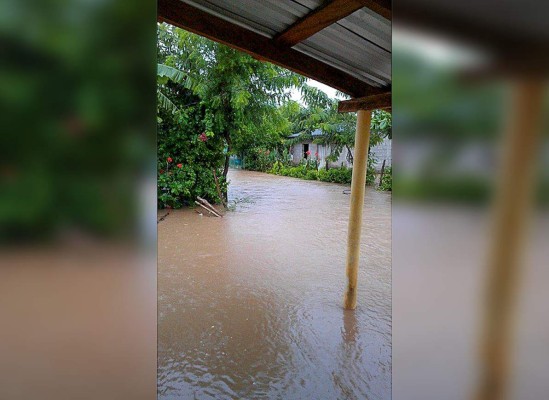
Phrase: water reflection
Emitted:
{"points": [[250, 305]]}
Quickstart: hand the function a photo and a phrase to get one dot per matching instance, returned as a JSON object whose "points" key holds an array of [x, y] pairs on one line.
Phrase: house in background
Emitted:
{"points": [[298, 152]]}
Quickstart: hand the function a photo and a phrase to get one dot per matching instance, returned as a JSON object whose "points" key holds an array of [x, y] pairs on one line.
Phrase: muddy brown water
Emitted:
{"points": [[250, 305]]}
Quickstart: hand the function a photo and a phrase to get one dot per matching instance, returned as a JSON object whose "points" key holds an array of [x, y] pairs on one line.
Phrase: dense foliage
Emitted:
{"points": [[225, 95], [76, 117], [187, 158]]}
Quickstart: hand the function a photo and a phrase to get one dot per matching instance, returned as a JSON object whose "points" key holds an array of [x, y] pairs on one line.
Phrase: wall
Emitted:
{"points": [[380, 152]]}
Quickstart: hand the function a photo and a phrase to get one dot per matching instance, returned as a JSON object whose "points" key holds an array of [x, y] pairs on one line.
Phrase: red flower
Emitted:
{"points": [[179, 165], [161, 171], [170, 159], [202, 137], [308, 152], [316, 154]]}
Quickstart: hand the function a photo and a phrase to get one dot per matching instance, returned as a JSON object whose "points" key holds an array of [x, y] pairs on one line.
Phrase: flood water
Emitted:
{"points": [[250, 305]]}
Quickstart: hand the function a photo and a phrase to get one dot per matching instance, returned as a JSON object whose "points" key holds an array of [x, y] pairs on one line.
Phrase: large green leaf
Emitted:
{"points": [[165, 103], [171, 73]]}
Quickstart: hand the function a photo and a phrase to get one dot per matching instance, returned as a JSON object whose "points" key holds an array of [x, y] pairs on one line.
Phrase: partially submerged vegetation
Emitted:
{"points": [[341, 174]]}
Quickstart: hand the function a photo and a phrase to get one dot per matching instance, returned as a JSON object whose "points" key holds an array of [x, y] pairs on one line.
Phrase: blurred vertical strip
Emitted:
{"points": [[77, 199], [469, 247]]}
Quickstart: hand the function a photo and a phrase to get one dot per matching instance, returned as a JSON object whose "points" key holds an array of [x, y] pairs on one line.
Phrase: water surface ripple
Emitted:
{"points": [[249, 305]]}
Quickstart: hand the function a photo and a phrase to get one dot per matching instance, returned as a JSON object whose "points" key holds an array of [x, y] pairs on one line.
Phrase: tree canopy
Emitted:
{"points": [[240, 94]]}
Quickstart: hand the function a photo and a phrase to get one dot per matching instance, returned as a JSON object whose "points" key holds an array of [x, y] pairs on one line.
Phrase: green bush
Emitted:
{"points": [[187, 157], [311, 175], [306, 171], [336, 175], [322, 175], [341, 175], [259, 159], [276, 168]]}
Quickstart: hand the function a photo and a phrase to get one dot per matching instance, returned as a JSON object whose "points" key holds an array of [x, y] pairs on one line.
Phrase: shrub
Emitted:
{"points": [[306, 171], [277, 168], [336, 175], [311, 175], [181, 184], [187, 156], [322, 175], [259, 159]]}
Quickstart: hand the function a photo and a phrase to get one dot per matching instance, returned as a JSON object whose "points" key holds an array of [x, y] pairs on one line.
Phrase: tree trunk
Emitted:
{"points": [[382, 172], [226, 167], [349, 155]]}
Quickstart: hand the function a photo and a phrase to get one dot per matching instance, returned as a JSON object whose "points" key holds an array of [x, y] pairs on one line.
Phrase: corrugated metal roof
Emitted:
{"points": [[316, 132], [267, 17], [359, 44]]}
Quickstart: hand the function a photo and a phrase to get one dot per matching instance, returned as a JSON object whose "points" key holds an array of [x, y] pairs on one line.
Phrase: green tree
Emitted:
{"points": [[240, 94], [165, 73]]}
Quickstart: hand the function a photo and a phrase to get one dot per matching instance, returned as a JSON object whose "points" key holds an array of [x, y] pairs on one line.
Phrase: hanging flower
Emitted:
{"points": [[169, 159], [179, 165], [202, 137]]}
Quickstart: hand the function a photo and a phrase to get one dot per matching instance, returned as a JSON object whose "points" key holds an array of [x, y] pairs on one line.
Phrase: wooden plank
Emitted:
{"points": [[197, 21], [381, 7], [317, 20], [374, 102]]}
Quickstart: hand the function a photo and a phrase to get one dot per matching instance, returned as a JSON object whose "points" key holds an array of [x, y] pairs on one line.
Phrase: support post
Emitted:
{"points": [[513, 203], [358, 183]]}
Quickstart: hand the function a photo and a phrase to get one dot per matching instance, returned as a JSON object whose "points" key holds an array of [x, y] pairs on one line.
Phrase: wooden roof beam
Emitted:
{"points": [[317, 20], [327, 15], [375, 102], [498, 42], [190, 18], [381, 7]]}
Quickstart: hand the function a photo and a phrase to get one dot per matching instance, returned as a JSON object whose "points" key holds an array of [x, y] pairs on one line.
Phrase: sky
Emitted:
{"points": [[442, 51], [331, 92]]}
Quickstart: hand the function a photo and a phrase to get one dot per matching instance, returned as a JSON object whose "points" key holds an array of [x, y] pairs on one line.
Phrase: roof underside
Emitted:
{"points": [[514, 34], [345, 44]]}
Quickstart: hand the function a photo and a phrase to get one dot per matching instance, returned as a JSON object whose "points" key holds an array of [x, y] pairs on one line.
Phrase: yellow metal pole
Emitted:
{"points": [[513, 203], [358, 183]]}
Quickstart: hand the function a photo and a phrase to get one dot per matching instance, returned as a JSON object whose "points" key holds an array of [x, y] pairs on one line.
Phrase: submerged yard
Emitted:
{"points": [[250, 305]]}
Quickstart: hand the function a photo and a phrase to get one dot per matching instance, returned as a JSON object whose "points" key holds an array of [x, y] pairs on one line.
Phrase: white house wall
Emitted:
{"points": [[380, 152]]}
